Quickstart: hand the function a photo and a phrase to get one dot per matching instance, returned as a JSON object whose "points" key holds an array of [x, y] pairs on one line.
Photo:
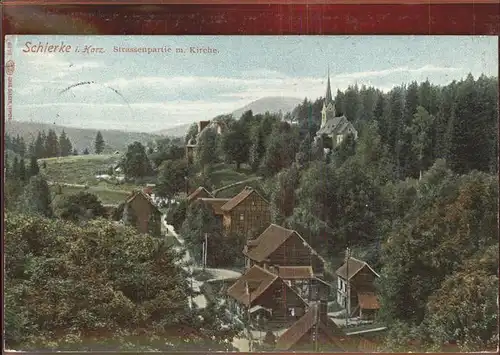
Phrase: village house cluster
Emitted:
{"points": [[284, 283], [284, 279]]}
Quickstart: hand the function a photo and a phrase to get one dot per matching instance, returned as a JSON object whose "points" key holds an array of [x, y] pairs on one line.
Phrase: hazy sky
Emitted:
{"points": [[160, 90]]}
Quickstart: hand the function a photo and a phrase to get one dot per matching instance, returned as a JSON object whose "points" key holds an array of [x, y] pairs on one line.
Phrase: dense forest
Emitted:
{"points": [[416, 196]]}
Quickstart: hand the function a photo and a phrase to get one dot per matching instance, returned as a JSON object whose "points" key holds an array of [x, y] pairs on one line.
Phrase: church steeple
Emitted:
{"points": [[328, 96], [328, 104]]}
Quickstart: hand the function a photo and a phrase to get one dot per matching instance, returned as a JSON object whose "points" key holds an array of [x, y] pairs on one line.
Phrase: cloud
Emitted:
{"points": [[399, 70], [159, 102]]}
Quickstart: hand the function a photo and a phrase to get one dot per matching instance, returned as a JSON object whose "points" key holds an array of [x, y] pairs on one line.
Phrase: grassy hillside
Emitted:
{"points": [[80, 169], [80, 138], [105, 194]]}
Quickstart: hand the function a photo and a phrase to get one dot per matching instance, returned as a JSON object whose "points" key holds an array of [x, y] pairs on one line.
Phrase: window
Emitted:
{"points": [[339, 138], [242, 217]]}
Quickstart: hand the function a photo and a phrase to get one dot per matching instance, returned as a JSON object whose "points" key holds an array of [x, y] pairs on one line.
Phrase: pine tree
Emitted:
{"points": [[15, 174], [65, 144], [39, 146], [99, 143], [52, 144], [23, 176], [34, 168], [86, 151]]}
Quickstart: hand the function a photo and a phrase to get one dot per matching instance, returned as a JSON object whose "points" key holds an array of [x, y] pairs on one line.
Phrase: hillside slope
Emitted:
{"points": [[81, 138], [273, 104]]}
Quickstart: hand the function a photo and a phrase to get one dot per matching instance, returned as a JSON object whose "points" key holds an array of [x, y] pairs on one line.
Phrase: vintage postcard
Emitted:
{"points": [[251, 193]]}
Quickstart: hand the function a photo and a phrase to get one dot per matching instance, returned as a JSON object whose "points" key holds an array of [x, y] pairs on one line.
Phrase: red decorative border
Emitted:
{"points": [[254, 19]]}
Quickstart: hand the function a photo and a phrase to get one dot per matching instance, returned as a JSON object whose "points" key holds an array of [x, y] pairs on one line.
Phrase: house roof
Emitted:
{"points": [[368, 300], [304, 324], [215, 203], [270, 240], [197, 192], [239, 198], [143, 195], [295, 272], [355, 266], [258, 280]]}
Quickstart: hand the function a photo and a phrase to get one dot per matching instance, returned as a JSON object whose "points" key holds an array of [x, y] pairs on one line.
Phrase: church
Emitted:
{"points": [[332, 126]]}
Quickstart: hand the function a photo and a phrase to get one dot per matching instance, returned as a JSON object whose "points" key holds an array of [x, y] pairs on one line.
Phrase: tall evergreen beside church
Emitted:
{"points": [[334, 128]]}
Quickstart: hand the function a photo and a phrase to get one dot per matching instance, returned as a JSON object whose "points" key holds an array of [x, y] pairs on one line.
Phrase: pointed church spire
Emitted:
{"points": [[328, 96]]}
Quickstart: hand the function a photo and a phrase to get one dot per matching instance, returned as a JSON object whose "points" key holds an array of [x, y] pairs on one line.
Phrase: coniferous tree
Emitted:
{"points": [[65, 145], [99, 143], [52, 144], [23, 175], [86, 151], [39, 147], [34, 168]]}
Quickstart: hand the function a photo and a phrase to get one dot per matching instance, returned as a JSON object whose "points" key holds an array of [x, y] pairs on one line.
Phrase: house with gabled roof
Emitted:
{"points": [[246, 213], [356, 288], [314, 331], [280, 247], [285, 253], [260, 287], [141, 212]]}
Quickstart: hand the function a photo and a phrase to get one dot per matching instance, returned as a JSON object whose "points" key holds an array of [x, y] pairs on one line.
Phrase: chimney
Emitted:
{"points": [[202, 125]]}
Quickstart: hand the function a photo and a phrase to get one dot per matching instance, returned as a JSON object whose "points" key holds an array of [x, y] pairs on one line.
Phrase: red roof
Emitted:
{"points": [[256, 280], [304, 324], [144, 196], [355, 266], [239, 198], [270, 240]]}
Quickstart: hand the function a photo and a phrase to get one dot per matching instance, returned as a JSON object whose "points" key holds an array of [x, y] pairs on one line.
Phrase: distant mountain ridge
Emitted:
{"points": [[273, 104], [80, 138]]}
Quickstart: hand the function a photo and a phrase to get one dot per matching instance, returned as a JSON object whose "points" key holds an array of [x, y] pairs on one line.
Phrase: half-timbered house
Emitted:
{"points": [[246, 213], [259, 287], [280, 247]]}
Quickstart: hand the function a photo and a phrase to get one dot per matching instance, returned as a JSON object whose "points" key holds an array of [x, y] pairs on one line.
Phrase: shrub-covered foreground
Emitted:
{"points": [[100, 287]]}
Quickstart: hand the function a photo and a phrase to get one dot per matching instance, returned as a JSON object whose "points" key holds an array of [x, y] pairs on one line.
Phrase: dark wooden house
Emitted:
{"points": [[313, 332], [246, 213], [355, 278], [280, 247], [140, 211], [259, 287]]}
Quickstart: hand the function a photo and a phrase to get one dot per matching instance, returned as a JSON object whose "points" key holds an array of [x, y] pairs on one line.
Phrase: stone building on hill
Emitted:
{"points": [[193, 142]]}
